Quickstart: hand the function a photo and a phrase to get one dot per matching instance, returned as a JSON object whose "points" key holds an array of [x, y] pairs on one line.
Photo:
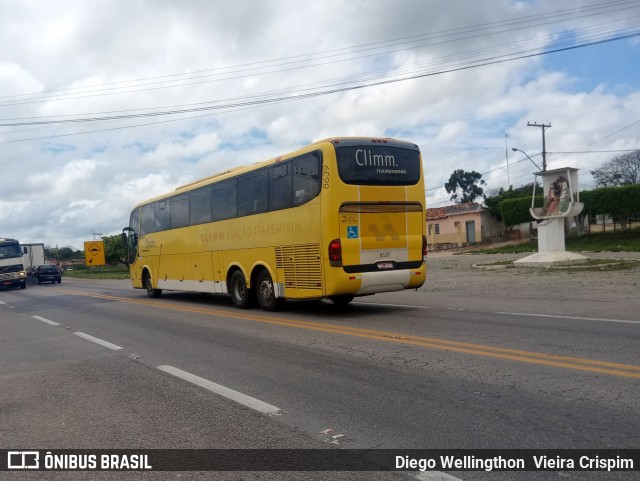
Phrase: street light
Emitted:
{"points": [[518, 150]]}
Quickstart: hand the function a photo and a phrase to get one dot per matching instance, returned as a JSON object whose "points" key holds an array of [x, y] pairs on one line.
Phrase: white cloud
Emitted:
{"points": [[452, 130]]}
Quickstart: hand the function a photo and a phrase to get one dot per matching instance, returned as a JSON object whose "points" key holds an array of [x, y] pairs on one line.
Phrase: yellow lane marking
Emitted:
{"points": [[604, 367]]}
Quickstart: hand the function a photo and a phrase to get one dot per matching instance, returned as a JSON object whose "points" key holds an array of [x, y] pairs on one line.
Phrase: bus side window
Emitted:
{"points": [[223, 200], [280, 186], [306, 177], [200, 206], [251, 188], [147, 220], [301, 196], [258, 206], [162, 215], [179, 211]]}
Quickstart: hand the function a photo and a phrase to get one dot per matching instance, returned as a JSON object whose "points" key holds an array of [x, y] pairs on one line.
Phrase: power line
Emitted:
{"points": [[613, 133], [485, 173], [454, 34], [332, 83], [595, 151], [480, 63]]}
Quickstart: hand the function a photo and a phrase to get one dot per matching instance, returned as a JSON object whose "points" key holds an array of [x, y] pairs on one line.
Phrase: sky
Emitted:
{"points": [[106, 103]]}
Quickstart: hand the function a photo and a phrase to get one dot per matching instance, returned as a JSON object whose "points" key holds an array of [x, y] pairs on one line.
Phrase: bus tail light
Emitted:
{"points": [[335, 252], [424, 246]]}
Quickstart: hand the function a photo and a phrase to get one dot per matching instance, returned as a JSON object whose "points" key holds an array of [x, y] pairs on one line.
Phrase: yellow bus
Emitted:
{"points": [[340, 218]]}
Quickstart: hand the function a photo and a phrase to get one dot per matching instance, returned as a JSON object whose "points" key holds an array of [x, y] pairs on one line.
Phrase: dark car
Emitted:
{"points": [[47, 273]]}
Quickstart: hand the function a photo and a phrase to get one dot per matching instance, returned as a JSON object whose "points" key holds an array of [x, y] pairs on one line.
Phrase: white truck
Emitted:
{"points": [[32, 256], [12, 271]]}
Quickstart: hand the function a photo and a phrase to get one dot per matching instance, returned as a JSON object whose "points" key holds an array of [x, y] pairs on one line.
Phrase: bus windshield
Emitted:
{"points": [[378, 165]]}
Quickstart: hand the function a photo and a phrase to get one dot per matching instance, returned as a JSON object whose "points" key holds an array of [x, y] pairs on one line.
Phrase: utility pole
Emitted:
{"points": [[544, 149], [506, 156]]}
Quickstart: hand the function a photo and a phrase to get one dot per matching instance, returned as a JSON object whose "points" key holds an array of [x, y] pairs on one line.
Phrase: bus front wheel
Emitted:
{"points": [[266, 294], [148, 284], [240, 294]]}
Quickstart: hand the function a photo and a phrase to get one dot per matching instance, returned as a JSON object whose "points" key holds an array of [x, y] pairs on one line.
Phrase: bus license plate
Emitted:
{"points": [[385, 265]]}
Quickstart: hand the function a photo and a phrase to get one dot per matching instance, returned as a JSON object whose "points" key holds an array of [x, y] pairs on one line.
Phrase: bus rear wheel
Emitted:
{"points": [[266, 293], [342, 300], [240, 294]]}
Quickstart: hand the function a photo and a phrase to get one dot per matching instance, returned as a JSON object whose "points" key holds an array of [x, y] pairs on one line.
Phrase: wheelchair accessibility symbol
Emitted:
{"points": [[352, 232]]}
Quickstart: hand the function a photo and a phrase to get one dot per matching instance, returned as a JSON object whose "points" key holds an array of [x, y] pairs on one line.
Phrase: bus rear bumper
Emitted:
{"points": [[391, 281]]}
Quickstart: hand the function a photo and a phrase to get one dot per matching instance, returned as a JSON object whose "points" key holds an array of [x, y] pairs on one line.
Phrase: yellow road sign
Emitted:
{"points": [[94, 253]]}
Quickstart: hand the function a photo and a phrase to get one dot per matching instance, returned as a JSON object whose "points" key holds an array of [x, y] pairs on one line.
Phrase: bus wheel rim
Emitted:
{"points": [[239, 290], [266, 291]]}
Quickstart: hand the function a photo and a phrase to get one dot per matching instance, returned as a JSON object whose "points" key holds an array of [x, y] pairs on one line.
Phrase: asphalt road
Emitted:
{"points": [[448, 366]]}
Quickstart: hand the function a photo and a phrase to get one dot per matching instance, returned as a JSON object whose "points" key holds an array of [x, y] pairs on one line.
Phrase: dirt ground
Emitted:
{"points": [[449, 271]]}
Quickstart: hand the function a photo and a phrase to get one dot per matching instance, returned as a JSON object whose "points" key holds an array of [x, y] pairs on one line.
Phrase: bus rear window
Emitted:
{"points": [[378, 165]]}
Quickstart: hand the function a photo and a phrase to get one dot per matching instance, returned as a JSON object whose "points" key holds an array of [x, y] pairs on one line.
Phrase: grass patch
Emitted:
{"points": [[615, 241], [104, 272], [510, 249]]}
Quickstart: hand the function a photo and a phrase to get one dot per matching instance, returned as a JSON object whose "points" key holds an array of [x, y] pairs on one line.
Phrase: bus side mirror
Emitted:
{"points": [[128, 235]]}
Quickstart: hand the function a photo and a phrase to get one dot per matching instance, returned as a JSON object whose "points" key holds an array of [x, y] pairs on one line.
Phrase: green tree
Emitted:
{"points": [[621, 203], [114, 251], [464, 187], [62, 253], [516, 211], [493, 202], [623, 169]]}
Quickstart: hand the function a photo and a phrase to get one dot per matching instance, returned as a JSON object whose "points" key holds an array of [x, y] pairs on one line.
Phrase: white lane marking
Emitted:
{"points": [[1, 302], [236, 396], [44, 319], [106, 344], [553, 316], [391, 305], [435, 476]]}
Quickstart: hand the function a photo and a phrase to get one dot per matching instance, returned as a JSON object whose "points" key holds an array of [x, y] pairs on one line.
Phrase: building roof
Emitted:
{"points": [[436, 213], [453, 210]]}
